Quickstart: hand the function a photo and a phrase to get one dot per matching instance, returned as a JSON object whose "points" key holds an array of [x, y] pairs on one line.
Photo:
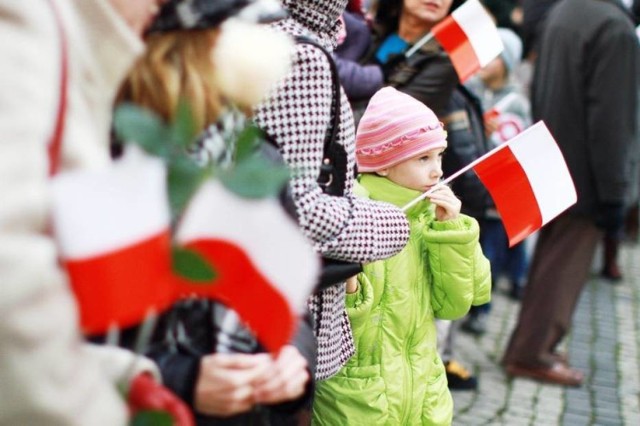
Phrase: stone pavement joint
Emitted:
{"points": [[604, 343]]}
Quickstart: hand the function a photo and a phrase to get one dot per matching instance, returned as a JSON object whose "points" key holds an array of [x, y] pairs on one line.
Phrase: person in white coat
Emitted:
{"points": [[48, 374]]}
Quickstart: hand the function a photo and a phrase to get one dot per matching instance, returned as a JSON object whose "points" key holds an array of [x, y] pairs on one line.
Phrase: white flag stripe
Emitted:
{"points": [[505, 102], [480, 30], [261, 228], [130, 198], [544, 164]]}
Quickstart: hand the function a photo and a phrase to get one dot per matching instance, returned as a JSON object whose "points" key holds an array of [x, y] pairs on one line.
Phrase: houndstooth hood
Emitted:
{"points": [[319, 16]]}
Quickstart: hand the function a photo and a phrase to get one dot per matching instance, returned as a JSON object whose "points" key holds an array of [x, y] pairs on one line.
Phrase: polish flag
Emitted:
{"points": [[470, 37], [500, 107], [265, 268], [528, 180], [112, 229]]}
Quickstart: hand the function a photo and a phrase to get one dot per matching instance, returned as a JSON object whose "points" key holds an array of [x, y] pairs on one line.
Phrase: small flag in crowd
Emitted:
{"points": [[265, 268], [508, 124], [470, 37], [112, 228], [528, 180], [500, 106]]}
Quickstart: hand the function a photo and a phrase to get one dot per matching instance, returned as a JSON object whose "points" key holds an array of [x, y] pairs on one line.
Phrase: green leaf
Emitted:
{"points": [[151, 418], [248, 141], [191, 265], [184, 177], [134, 124], [255, 177], [183, 128]]}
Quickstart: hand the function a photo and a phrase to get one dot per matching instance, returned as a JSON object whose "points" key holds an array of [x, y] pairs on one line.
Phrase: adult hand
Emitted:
{"points": [[225, 383], [286, 380], [147, 394], [447, 204]]}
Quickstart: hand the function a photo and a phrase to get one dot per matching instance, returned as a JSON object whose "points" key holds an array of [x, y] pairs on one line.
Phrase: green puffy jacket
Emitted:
{"points": [[396, 376]]}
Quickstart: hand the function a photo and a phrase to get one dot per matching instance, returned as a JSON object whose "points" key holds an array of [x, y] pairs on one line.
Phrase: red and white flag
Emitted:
{"points": [[528, 180], [470, 37], [500, 106], [265, 268], [112, 228]]}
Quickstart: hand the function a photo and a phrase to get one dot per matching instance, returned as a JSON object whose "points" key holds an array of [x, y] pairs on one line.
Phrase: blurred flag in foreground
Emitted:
{"points": [[265, 268], [470, 38], [112, 228], [528, 179]]}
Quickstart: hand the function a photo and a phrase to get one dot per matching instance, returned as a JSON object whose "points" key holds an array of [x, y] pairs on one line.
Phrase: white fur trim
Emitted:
{"points": [[247, 78]]}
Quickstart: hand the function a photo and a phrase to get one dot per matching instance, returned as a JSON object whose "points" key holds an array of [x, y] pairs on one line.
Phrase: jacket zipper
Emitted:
{"points": [[408, 377]]}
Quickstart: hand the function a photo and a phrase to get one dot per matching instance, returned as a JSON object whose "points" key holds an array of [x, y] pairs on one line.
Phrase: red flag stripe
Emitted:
{"points": [[506, 180], [454, 40], [240, 285], [119, 287]]}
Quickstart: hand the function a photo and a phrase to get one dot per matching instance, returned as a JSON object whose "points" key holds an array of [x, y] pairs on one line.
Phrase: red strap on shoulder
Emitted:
{"points": [[55, 144]]}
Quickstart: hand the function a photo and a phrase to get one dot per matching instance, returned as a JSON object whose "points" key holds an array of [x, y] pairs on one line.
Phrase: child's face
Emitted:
{"points": [[419, 173], [494, 73]]}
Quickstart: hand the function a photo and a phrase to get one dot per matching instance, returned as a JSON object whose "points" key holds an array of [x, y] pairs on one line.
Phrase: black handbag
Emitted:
{"points": [[332, 177]]}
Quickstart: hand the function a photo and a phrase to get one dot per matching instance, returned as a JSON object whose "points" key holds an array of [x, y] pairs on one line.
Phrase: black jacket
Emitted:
{"points": [[585, 88], [466, 142], [428, 75], [189, 331]]}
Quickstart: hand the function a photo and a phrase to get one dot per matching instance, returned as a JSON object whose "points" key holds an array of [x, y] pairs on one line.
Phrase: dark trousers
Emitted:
{"points": [[559, 270]]}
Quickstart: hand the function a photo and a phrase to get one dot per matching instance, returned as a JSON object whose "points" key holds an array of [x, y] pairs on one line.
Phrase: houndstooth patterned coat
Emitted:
{"points": [[296, 115]]}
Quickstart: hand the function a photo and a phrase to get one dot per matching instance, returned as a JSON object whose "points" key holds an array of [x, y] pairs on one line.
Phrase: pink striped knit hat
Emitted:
{"points": [[394, 128]]}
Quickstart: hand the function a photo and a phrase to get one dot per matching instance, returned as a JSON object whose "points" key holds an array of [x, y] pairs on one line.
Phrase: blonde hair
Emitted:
{"points": [[176, 66]]}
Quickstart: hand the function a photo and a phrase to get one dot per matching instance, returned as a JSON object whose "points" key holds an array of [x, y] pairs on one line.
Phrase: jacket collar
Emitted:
{"points": [[321, 17], [382, 189]]}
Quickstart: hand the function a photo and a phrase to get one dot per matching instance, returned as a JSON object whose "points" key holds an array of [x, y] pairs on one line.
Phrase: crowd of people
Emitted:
{"points": [[364, 129]]}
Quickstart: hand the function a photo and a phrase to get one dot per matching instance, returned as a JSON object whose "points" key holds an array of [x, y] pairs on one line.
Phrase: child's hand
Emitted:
{"points": [[352, 284], [447, 204], [491, 125]]}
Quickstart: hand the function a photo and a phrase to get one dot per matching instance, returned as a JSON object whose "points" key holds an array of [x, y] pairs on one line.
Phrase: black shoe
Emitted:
{"points": [[612, 274], [516, 292], [459, 378], [475, 324]]}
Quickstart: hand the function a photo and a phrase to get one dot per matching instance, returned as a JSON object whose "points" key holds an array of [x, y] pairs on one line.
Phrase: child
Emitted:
{"points": [[396, 376], [508, 113]]}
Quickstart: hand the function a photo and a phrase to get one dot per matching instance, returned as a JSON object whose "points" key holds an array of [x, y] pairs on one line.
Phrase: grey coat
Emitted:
{"points": [[585, 89]]}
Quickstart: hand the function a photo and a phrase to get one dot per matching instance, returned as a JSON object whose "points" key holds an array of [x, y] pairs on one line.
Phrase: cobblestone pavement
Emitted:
{"points": [[604, 343]]}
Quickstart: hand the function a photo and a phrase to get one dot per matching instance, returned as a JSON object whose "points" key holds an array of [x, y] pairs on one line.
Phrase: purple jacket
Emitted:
{"points": [[359, 81]]}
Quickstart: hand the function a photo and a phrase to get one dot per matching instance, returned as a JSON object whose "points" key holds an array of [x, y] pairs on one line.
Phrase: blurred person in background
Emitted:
{"points": [[221, 371], [507, 113], [585, 88], [62, 63]]}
